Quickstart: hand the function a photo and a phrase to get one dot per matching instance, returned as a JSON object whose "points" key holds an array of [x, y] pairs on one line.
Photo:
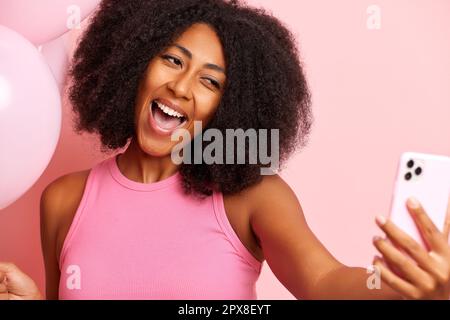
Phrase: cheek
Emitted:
{"points": [[155, 78], [157, 74], [206, 107]]}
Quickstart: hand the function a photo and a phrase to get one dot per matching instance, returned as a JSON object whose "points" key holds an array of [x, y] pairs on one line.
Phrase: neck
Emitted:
{"points": [[142, 167]]}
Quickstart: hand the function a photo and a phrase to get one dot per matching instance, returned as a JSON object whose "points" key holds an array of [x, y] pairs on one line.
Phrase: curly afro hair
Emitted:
{"points": [[266, 86]]}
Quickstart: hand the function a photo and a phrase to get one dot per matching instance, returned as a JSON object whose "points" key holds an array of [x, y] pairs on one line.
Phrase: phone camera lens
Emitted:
{"points": [[418, 171], [408, 176], [410, 164]]}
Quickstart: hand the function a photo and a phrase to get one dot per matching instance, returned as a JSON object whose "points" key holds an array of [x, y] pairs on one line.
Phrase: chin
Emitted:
{"points": [[159, 151]]}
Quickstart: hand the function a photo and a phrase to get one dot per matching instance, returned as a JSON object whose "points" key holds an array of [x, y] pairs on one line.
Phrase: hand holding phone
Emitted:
{"points": [[419, 215], [427, 178]]}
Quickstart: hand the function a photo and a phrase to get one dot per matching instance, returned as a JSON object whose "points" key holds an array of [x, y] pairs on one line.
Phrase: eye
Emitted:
{"points": [[173, 60], [213, 82]]}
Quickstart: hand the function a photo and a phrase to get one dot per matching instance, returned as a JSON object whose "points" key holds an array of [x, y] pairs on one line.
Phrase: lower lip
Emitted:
{"points": [[158, 129]]}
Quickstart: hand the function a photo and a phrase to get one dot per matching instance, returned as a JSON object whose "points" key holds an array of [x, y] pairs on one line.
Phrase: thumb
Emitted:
{"points": [[18, 284], [12, 275], [3, 285], [6, 268]]}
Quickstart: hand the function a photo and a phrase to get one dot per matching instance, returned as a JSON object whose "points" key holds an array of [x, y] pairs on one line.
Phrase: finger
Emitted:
{"points": [[3, 288], [398, 284], [3, 284], [393, 268], [407, 267], [6, 267], [430, 233], [403, 241], [447, 221]]}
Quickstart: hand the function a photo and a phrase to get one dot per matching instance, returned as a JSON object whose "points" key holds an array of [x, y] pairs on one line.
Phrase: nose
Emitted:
{"points": [[181, 86]]}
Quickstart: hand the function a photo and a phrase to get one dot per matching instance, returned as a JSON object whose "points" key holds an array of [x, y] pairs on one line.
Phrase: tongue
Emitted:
{"points": [[164, 120]]}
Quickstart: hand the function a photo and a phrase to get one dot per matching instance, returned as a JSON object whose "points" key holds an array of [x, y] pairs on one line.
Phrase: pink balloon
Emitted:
{"points": [[43, 20], [30, 115], [59, 52], [56, 54]]}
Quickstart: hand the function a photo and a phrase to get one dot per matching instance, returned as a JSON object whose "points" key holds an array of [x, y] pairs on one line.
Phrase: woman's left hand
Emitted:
{"points": [[420, 273]]}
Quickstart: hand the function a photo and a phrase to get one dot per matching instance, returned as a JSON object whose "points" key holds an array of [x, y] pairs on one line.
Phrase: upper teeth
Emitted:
{"points": [[168, 110]]}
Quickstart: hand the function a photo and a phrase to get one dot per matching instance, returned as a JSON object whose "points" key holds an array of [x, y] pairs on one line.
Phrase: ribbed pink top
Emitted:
{"points": [[130, 240]]}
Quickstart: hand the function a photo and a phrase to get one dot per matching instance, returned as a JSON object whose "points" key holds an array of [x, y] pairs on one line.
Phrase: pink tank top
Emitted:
{"points": [[130, 240]]}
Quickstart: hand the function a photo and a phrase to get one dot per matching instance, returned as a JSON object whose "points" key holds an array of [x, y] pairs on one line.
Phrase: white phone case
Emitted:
{"points": [[427, 178]]}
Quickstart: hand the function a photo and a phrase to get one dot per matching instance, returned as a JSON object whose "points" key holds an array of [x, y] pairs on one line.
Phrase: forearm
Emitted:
{"points": [[351, 283]]}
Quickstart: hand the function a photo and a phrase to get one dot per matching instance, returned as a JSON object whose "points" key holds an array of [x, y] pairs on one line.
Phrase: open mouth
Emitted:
{"points": [[166, 118]]}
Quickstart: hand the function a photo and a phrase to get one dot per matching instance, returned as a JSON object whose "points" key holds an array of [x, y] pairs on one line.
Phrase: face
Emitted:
{"points": [[182, 84]]}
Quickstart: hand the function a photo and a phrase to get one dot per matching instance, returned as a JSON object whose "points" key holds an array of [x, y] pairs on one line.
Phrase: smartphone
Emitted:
{"points": [[427, 178]]}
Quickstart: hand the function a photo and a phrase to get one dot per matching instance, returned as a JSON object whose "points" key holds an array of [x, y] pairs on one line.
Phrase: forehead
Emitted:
{"points": [[204, 44]]}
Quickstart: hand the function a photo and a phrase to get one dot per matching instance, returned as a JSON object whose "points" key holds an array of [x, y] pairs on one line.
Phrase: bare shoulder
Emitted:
{"points": [[59, 202], [61, 192], [272, 194], [294, 254], [271, 205]]}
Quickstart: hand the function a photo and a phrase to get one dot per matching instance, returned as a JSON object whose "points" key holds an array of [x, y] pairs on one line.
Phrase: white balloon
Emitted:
{"points": [[30, 115]]}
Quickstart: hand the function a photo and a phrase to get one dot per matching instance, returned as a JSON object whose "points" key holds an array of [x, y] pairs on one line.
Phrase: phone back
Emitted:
{"points": [[427, 178]]}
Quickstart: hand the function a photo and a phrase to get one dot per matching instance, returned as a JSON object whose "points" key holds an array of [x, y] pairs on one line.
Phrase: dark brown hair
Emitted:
{"points": [[266, 86]]}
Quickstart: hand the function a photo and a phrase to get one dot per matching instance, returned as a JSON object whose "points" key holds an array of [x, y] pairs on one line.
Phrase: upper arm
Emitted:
{"points": [[294, 254], [51, 208]]}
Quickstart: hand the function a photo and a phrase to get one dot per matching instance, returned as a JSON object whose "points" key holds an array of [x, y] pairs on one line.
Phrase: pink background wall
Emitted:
{"points": [[376, 93]]}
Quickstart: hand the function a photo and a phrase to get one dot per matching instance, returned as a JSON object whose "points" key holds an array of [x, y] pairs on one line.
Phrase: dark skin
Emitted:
{"points": [[267, 217]]}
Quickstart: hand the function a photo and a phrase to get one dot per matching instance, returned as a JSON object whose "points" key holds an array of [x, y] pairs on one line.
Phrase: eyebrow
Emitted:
{"points": [[187, 53]]}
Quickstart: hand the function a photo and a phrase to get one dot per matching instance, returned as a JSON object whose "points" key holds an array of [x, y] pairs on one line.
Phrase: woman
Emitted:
{"points": [[140, 226]]}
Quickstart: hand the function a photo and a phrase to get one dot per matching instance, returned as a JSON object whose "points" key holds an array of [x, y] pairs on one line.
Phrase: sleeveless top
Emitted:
{"points": [[132, 240]]}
